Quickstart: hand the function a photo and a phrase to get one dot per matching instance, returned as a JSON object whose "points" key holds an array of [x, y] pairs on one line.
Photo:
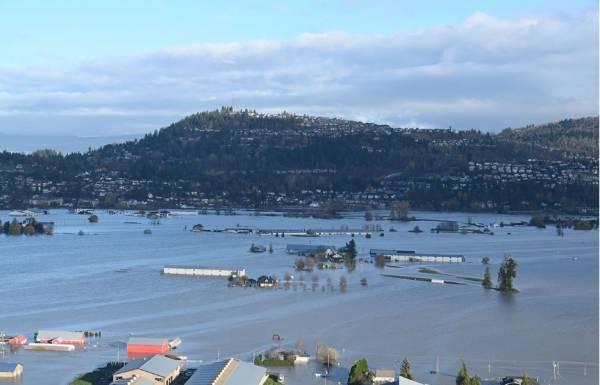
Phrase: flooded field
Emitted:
{"points": [[109, 279]]}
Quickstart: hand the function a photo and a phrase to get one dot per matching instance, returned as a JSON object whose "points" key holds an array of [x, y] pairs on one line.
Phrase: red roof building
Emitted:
{"points": [[141, 346], [60, 337], [17, 340]]}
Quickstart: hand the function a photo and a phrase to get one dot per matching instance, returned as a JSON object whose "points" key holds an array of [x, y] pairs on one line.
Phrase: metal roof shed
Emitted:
{"points": [[228, 372], [157, 366]]}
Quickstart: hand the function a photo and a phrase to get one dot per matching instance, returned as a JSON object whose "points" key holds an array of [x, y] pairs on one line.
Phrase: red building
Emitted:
{"points": [[141, 346], [60, 337], [17, 340]]}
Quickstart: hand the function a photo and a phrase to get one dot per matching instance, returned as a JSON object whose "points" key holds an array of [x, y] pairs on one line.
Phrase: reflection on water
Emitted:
{"points": [[109, 280], [507, 299]]}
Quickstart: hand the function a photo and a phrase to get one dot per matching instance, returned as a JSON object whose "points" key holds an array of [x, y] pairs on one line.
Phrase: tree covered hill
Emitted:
{"points": [[577, 136], [250, 159], [218, 142]]}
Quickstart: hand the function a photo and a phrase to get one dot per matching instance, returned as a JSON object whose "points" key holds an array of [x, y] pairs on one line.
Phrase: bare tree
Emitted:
{"points": [[309, 263], [315, 281], [343, 284], [300, 345], [380, 261], [299, 264], [400, 211], [326, 354]]}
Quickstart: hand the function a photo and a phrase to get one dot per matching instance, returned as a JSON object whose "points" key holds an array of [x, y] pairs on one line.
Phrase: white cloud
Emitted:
{"points": [[486, 73]]}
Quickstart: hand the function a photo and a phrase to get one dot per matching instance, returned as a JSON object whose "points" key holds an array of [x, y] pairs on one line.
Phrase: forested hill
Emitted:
{"points": [[228, 157], [579, 136], [231, 143]]}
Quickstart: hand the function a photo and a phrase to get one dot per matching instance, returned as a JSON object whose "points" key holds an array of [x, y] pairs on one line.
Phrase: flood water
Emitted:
{"points": [[68, 281]]}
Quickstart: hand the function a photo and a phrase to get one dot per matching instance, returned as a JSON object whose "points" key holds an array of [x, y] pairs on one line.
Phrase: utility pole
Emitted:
{"points": [[436, 366]]}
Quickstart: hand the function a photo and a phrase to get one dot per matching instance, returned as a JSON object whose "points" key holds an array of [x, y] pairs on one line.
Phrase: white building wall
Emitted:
{"points": [[205, 272]]}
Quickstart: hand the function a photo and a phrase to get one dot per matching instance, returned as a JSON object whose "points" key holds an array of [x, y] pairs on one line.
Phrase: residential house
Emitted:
{"points": [[157, 370], [228, 372]]}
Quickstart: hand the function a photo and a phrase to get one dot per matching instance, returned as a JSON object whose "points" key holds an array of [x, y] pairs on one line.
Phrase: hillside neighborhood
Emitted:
{"points": [[244, 159]]}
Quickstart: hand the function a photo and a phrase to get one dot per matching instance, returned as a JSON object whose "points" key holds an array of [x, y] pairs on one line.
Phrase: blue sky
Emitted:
{"points": [[92, 68], [63, 31]]}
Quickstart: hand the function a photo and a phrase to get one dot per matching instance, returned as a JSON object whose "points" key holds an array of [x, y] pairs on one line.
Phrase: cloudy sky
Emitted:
{"points": [[114, 68]]}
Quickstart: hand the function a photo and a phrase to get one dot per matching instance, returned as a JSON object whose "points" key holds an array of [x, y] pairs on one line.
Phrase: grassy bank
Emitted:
{"points": [[99, 376]]}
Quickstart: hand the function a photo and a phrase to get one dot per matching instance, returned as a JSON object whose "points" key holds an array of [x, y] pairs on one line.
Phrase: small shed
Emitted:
{"points": [[8, 370], [383, 376]]}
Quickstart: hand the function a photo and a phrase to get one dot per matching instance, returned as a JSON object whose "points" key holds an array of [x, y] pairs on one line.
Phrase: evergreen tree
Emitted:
{"points": [[526, 380], [351, 249], [405, 370], [507, 273], [462, 377], [487, 279], [359, 373]]}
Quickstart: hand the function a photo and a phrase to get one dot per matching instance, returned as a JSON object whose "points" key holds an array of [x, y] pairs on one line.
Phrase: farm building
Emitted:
{"points": [[412, 256], [307, 249], [142, 346], [229, 372], [204, 271], [238, 230], [157, 370], [17, 340], [12, 340], [60, 337], [406, 381], [10, 370], [132, 381], [426, 258], [374, 252], [383, 376], [266, 281]]}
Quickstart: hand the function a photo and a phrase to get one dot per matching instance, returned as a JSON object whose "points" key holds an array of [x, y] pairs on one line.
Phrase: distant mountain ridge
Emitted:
{"points": [[61, 143]]}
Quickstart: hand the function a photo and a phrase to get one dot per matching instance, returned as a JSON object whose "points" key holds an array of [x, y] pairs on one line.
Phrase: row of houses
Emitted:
{"points": [[156, 367], [161, 370]]}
